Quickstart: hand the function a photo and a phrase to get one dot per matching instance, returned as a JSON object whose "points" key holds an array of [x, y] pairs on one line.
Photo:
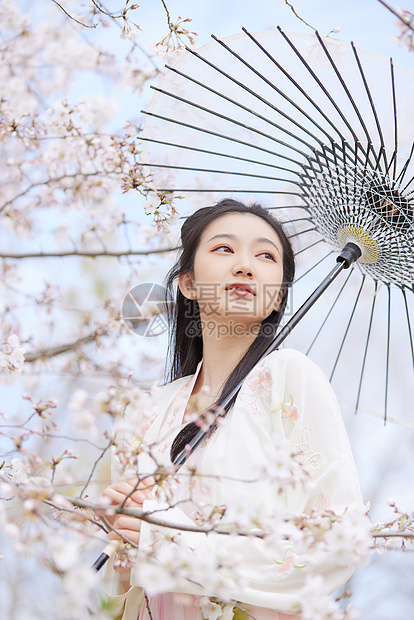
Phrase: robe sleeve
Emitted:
{"points": [[122, 597], [128, 433], [298, 403], [312, 420]]}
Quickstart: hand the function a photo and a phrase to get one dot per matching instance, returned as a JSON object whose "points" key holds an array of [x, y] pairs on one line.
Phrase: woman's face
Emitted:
{"points": [[238, 271]]}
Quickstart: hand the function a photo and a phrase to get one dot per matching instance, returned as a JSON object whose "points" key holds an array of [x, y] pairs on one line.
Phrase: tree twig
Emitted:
{"points": [[146, 516], [298, 16], [400, 17], [400, 533], [105, 12], [73, 18], [74, 512], [89, 253], [135, 45], [104, 451], [62, 348], [168, 14], [147, 604], [56, 180]]}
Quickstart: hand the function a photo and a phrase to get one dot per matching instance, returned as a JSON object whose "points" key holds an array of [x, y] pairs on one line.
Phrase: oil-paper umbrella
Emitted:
{"points": [[324, 131]]}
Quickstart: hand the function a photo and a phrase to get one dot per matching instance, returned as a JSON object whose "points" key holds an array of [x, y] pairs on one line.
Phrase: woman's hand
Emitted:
{"points": [[127, 527]]}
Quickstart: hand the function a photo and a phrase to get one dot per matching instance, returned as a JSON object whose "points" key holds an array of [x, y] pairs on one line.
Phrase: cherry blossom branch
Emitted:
{"points": [[168, 14], [48, 182], [90, 253], [146, 516], [73, 18], [407, 22], [53, 504], [100, 457], [105, 12], [136, 45], [298, 16], [46, 435], [174, 40], [400, 533], [147, 603], [63, 348]]}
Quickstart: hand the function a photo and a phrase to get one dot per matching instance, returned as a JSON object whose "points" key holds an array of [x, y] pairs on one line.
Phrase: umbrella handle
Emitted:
{"points": [[349, 254], [105, 555]]}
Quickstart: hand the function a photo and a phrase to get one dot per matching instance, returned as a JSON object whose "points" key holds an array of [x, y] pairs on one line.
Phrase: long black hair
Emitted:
{"points": [[186, 344]]}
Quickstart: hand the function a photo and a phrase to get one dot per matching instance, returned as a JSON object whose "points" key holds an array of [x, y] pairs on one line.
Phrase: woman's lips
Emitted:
{"points": [[240, 290]]}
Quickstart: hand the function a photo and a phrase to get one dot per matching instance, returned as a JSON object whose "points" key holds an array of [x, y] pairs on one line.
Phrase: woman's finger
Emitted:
{"points": [[125, 522], [125, 535], [119, 493]]}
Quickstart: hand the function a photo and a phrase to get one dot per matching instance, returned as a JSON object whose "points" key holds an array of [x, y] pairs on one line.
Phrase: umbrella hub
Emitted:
{"points": [[367, 244], [354, 194]]}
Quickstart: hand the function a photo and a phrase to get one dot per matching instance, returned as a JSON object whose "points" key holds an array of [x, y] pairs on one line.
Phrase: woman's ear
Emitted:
{"points": [[186, 286], [279, 299]]}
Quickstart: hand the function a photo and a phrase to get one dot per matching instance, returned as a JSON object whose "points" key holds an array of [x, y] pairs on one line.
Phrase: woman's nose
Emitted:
{"points": [[242, 270]]}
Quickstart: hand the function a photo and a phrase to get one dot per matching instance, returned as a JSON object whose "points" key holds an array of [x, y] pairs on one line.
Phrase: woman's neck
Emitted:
{"points": [[220, 357]]}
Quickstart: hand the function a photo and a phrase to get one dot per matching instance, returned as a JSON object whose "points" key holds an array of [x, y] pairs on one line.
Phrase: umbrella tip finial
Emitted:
{"points": [[349, 254]]}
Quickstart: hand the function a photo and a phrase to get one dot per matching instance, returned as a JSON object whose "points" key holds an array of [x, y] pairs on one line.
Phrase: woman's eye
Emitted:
{"points": [[268, 255], [222, 248]]}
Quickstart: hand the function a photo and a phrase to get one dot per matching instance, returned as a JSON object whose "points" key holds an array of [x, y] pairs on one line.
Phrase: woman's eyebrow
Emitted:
{"points": [[226, 235], [257, 240], [266, 240]]}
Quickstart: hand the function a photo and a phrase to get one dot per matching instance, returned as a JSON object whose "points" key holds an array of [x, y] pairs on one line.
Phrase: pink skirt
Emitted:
{"points": [[168, 606]]}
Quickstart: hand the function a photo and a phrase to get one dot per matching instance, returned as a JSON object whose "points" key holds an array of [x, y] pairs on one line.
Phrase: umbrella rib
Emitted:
{"points": [[281, 93], [219, 135], [405, 168], [302, 232], [366, 345], [321, 86], [347, 328], [235, 157], [371, 102], [247, 89], [282, 207], [387, 367], [299, 219], [344, 86], [329, 313], [292, 220], [411, 180], [338, 170], [230, 120], [243, 174], [394, 103], [313, 266], [301, 90], [355, 159], [214, 190], [345, 173], [308, 247], [243, 107], [409, 325]]}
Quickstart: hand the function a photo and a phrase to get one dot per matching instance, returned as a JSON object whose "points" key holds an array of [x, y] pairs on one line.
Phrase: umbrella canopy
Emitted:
{"points": [[323, 132]]}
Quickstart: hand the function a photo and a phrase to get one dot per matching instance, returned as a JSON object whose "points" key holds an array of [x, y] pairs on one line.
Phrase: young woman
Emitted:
{"points": [[233, 277]]}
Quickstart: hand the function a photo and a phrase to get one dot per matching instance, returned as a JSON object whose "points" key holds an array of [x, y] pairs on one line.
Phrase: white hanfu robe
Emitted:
{"points": [[286, 395]]}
